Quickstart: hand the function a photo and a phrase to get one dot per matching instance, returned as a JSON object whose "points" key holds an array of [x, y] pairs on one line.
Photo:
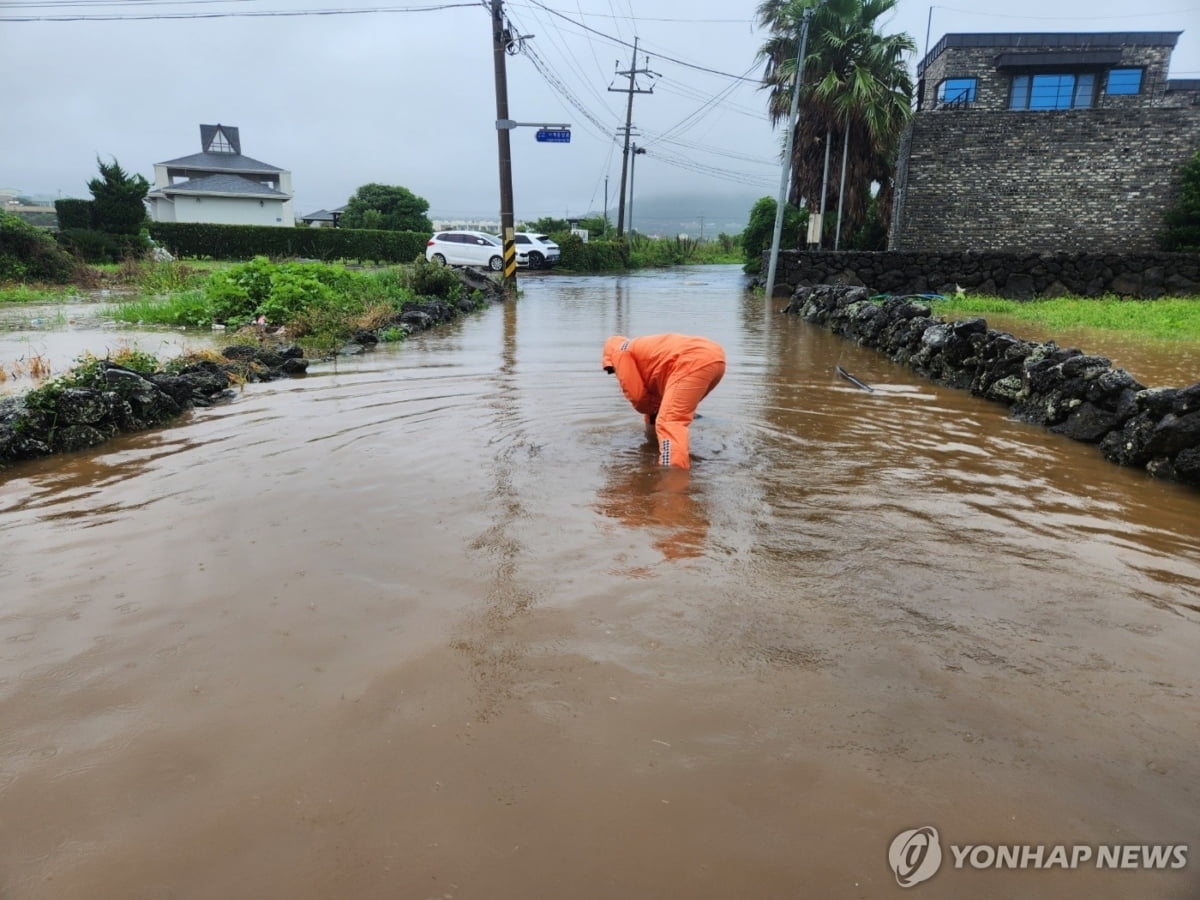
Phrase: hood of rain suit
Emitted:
{"points": [[608, 359]]}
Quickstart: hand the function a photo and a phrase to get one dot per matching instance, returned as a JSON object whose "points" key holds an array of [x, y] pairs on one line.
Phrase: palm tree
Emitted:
{"points": [[856, 93]]}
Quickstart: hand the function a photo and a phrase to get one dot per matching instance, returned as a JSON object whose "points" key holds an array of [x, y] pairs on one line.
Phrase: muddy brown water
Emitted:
{"points": [[431, 624]]}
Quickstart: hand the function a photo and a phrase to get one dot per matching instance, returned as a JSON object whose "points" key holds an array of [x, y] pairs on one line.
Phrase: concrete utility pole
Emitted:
{"points": [[633, 72], [500, 41], [793, 118], [632, 166]]}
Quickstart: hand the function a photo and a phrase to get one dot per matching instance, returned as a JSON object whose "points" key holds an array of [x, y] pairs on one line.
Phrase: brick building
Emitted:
{"points": [[1044, 143]]}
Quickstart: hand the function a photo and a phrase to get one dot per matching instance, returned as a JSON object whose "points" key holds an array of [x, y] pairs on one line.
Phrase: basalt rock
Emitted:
{"points": [[117, 400], [1072, 393]]}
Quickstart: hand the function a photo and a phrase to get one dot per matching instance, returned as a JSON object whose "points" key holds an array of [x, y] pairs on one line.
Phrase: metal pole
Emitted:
{"points": [[837, 236], [824, 188], [793, 119], [507, 228]]}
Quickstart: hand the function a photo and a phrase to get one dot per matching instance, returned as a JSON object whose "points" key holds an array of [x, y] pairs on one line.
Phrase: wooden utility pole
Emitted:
{"points": [[633, 72], [500, 41]]}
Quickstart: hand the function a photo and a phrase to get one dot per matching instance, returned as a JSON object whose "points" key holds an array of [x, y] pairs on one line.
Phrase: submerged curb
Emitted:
{"points": [[1063, 389]]}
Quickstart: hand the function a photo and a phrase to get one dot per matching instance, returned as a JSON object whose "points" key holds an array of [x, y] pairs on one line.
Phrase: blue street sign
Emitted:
{"points": [[554, 136]]}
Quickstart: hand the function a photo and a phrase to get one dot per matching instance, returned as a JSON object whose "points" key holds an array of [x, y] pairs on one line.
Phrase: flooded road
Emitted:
{"points": [[431, 624]]}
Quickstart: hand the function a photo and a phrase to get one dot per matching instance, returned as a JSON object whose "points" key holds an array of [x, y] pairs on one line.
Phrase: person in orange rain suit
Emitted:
{"points": [[665, 376]]}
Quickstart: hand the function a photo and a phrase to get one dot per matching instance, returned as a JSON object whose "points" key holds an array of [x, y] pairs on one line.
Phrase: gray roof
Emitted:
{"points": [[1042, 40], [1183, 84], [230, 133], [228, 162], [221, 184]]}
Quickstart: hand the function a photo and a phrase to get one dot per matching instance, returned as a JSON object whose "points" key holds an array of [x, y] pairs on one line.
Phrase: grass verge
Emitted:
{"points": [[1175, 319]]}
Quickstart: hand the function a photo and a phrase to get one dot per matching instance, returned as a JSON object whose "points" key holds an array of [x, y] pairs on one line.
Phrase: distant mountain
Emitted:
{"points": [[695, 215]]}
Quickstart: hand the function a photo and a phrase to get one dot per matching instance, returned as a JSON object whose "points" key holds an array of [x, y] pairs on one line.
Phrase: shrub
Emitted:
{"points": [[1182, 232], [760, 231], [74, 213], [28, 253], [594, 256], [100, 246], [428, 279]]}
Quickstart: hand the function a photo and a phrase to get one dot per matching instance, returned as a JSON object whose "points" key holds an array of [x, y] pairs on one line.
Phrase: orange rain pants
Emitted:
{"points": [[665, 376]]}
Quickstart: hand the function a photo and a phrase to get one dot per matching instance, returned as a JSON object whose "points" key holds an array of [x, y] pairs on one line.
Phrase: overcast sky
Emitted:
{"points": [[404, 94]]}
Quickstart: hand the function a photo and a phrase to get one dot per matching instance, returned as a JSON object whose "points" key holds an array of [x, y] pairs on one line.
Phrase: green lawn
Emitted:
{"points": [[1169, 319]]}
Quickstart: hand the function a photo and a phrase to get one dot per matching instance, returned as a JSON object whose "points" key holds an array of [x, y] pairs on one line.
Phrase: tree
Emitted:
{"points": [[386, 208], [118, 204], [855, 92], [760, 230], [1182, 234]]}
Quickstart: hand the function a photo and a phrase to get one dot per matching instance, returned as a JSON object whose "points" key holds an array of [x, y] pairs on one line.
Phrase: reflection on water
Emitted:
{"points": [[413, 625], [660, 500]]}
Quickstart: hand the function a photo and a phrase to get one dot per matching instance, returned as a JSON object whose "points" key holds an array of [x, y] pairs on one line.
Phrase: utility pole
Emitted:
{"points": [[633, 72], [606, 207], [632, 165], [789, 140], [500, 41]]}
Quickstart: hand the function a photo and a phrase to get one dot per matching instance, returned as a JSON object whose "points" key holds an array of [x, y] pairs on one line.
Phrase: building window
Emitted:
{"points": [[1124, 81], [1066, 91], [956, 92]]}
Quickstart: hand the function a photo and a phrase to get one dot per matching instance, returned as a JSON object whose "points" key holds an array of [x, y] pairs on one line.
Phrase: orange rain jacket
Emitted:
{"points": [[665, 376]]}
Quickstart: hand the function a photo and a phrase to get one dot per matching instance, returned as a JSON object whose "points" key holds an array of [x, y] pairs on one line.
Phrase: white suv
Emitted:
{"points": [[466, 248], [535, 250]]}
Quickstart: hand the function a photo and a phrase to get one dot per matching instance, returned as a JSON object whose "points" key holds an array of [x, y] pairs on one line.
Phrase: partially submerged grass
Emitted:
{"points": [[1175, 319], [191, 308], [22, 293]]}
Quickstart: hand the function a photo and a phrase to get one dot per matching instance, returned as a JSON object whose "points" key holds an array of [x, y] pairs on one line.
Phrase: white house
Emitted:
{"points": [[221, 186]]}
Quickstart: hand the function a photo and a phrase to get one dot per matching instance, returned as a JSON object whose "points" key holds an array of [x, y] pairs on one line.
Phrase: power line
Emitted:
{"points": [[258, 14]]}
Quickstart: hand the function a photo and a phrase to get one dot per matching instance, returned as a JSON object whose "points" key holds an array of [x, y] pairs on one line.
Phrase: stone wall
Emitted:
{"points": [[1079, 180], [1080, 396], [1017, 276]]}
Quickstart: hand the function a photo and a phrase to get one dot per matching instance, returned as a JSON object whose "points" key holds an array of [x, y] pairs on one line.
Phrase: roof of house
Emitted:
{"points": [[229, 133], [230, 162], [221, 184], [1041, 40], [323, 215]]}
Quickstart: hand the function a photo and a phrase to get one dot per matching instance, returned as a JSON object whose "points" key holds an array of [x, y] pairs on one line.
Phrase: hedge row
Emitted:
{"points": [[594, 256], [241, 242]]}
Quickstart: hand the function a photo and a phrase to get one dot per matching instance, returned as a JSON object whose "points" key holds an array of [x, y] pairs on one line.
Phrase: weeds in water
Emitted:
{"points": [[24, 294], [35, 367], [190, 308]]}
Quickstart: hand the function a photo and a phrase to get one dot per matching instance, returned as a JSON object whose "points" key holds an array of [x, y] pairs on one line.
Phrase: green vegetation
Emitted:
{"points": [[118, 197], [88, 373], [1182, 233], [1169, 319], [760, 231], [855, 93], [203, 240], [319, 305], [28, 253], [387, 208], [23, 294], [190, 308]]}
